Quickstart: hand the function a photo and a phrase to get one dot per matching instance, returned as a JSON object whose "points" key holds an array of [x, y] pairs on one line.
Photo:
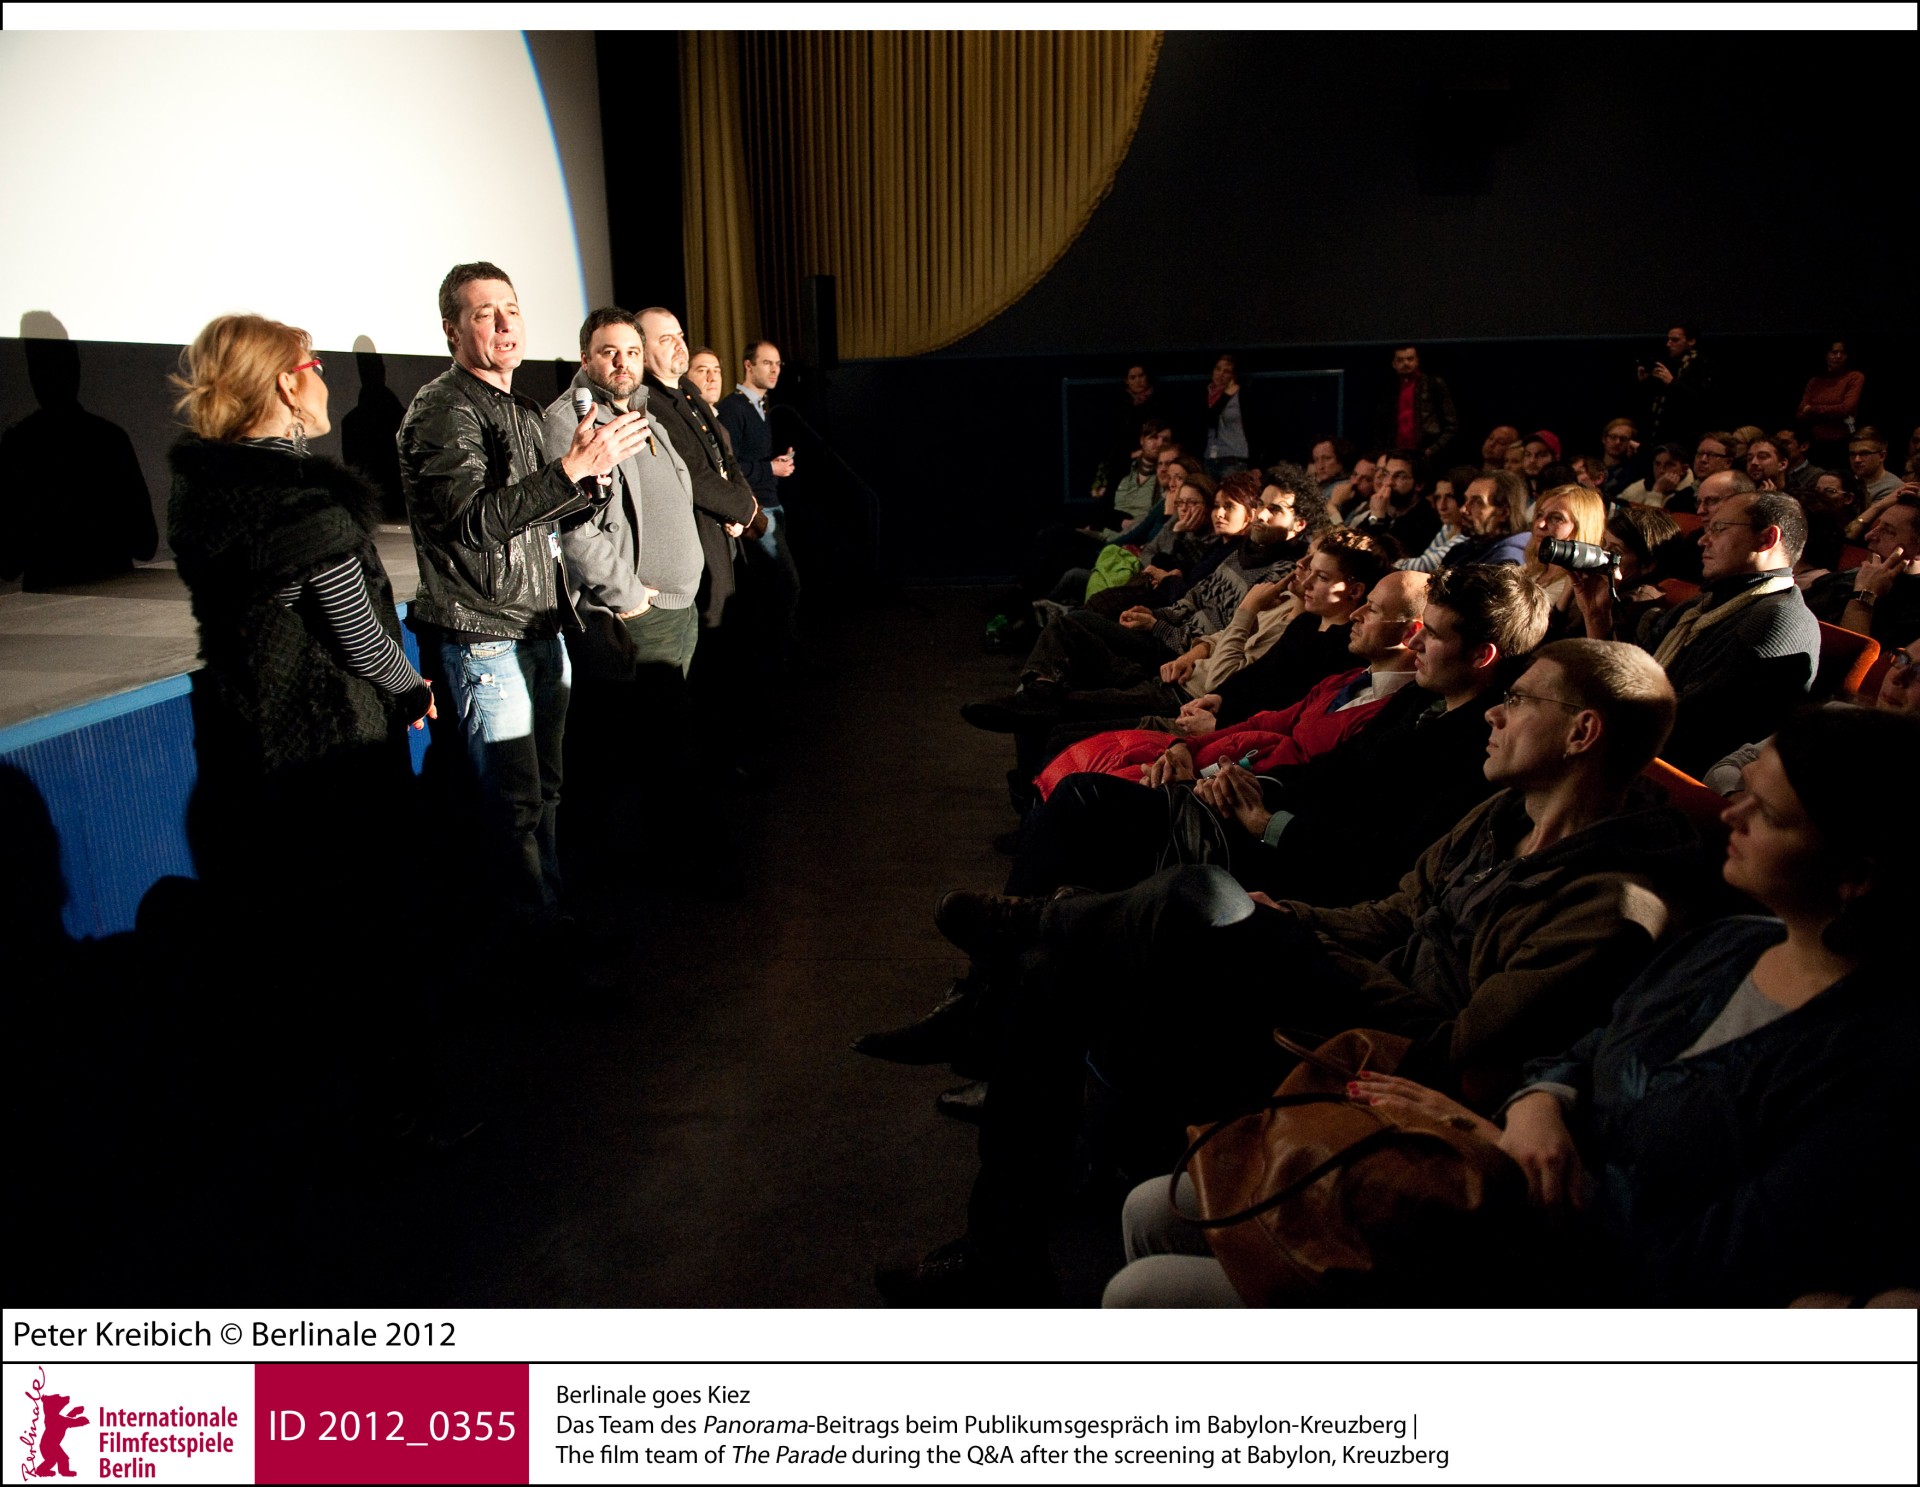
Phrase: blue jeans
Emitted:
{"points": [[508, 699]]}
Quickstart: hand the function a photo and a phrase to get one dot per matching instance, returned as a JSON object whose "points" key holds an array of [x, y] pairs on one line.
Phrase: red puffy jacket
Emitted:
{"points": [[1292, 735]]}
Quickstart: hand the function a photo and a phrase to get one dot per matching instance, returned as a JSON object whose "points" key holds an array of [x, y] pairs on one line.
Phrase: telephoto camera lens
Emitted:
{"points": [[1575, 557]]}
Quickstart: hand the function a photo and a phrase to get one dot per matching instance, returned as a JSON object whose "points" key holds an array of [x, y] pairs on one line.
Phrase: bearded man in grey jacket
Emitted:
{"points": [[634, 563]]}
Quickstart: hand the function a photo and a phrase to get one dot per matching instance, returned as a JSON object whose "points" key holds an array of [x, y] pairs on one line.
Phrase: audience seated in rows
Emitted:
{"points": [[1330, 712], [1719, 1138], [1082, 651], [1512, 933], [1337, 828], [1148, 863]]}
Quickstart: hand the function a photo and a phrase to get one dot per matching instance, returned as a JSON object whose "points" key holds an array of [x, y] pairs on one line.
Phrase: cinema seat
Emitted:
{"points": [[1869, 689], [1846, 656], [1691, 798]]}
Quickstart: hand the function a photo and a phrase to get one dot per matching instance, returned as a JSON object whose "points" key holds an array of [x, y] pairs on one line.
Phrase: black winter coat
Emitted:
{"points": [[1760, 1170], [684, 417]]}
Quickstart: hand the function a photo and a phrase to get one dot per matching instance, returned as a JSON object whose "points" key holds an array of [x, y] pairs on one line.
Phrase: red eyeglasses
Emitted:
{"points": [[319, 368]]}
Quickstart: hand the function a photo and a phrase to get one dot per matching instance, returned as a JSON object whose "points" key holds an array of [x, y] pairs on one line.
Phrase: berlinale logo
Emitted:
{"points": [[47, 1431]]}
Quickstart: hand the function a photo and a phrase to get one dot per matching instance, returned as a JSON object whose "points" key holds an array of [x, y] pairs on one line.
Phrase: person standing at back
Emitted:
{"points": [[745, 416]]}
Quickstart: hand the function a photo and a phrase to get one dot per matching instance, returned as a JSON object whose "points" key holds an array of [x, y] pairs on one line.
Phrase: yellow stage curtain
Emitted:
{"points": [[723, 305], [936, 175]]}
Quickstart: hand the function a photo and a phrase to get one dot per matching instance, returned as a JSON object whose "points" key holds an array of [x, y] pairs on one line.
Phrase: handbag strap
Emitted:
{"points": [[1314, 1058], [1385, 1135]]}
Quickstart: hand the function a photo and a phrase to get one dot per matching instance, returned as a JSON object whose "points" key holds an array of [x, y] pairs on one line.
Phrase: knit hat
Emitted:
{"points": [[1548, 438]]}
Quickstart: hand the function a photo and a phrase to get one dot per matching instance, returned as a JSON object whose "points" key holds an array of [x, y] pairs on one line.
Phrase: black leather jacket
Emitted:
{"points": [[483, 500]]}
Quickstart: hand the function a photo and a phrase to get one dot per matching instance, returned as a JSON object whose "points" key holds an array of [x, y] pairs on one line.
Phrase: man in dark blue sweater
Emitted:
{"points": [[743, 413]]}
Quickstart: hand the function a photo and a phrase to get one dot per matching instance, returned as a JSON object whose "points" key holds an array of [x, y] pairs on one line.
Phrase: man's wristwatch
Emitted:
{"points": [[1863, 597]]}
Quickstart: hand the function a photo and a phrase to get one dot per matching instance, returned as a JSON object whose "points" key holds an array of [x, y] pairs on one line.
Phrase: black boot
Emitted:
{"points": [[945, 1033]]}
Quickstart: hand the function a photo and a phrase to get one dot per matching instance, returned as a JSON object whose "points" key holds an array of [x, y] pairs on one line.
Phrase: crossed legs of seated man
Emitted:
{"points": [[1175, 986]]}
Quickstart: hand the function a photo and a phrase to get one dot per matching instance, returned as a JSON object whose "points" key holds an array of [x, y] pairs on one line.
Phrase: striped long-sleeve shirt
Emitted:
{"points": [[365, 648]]}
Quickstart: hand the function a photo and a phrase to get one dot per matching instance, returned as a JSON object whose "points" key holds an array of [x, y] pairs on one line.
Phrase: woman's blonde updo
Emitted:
{"points": [[228, 377]]}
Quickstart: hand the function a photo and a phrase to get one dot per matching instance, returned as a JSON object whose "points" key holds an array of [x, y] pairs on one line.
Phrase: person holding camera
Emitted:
{"points": [[1569, 525], [1741, 654]]}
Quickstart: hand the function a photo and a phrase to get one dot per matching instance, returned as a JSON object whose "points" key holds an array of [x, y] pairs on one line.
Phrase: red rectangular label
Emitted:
{"points": [[391, 1422]]}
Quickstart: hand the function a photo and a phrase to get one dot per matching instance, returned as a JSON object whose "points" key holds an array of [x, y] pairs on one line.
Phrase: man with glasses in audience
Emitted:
{"points": [[1881, 597], [1711, 493], [1900, 688], [1743, 652], [1712, 454], [1867, 458], [1620, 452]]}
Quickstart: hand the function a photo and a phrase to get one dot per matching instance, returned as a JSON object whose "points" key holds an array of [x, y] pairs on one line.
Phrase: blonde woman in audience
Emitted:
{"points": [[1567, 513]]}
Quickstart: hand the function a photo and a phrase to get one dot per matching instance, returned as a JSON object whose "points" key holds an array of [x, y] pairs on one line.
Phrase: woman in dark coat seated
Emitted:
{"points": [[1734, 1135]]}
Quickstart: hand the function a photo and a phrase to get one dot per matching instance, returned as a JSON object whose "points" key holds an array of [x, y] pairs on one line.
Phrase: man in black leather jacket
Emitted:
{"points": [[484, 501]]}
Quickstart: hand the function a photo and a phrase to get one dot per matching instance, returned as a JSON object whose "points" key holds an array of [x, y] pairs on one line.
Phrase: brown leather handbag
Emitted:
{"points": [[1314, 1200]]}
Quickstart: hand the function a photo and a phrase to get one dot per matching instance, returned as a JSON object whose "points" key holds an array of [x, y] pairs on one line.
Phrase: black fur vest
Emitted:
{"points": [[244, 521]]}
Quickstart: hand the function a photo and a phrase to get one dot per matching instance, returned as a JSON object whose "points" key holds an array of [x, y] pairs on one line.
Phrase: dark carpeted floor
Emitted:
{"points": [[707, 1137]]}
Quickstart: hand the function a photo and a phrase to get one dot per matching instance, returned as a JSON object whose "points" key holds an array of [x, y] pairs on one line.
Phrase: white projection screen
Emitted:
{"points": [[155, 180]]}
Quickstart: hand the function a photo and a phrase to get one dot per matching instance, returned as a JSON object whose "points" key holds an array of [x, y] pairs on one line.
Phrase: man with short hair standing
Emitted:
{"points": [[1680, 387], [1420, 415], [744, 415], [637, 558], [726, 505], [484, 503]]}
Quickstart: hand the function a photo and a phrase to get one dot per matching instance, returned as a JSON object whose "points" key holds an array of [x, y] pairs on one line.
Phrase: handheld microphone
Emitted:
{"points": [[637, 403], [582, 406]]}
